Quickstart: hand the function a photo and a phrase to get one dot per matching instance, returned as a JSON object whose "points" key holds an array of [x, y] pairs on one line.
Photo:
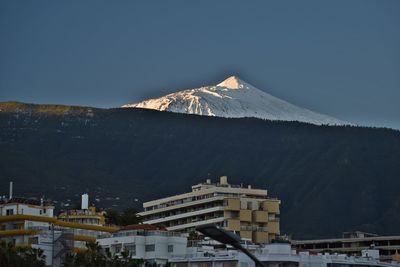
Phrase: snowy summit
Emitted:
{"points": [[234, 98]]}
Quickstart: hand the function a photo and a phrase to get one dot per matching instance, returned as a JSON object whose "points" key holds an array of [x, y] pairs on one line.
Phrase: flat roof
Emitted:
{"points": [[346, 240], [262, 193], [28, 201]]}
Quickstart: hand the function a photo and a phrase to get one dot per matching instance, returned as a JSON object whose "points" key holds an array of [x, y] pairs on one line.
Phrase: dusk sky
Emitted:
{"points": [[340, 58]]}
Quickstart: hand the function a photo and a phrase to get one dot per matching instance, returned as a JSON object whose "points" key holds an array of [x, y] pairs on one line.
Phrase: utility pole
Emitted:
{"points": [[52, 245]]}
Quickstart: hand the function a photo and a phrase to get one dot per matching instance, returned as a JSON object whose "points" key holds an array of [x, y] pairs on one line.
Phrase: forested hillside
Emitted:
{"points": [[330, 179]]}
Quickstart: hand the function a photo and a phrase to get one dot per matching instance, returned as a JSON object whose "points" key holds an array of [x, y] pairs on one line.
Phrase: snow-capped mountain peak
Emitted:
{"points": [[234, 98], [232, 82]]}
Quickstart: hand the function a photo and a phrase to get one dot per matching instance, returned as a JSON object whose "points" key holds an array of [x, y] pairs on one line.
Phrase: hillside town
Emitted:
{"points": [[166, 233]]}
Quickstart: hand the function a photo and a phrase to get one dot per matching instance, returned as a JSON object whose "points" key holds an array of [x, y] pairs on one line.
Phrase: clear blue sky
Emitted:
{"points": [[340, 58]]}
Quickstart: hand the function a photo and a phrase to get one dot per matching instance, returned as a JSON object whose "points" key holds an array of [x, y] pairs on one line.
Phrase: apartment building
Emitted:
{"points": [[246, 211], [18, 223], [276, 255], [143, 241], [353, 243], [86, 215], [28, 222]]}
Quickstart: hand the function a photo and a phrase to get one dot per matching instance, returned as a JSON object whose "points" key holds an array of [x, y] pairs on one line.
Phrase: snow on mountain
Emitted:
{"points": [[234, 98]]}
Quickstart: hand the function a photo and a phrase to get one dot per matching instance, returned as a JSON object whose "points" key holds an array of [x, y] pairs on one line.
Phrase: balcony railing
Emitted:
{"points": [[141, 233], [253, 228], [274, 220]]}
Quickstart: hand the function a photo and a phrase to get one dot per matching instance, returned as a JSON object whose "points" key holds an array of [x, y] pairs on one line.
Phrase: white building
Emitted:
{"points": [[144, 242], [354, 243], [273, 255], [31, 223], [18, 219]]}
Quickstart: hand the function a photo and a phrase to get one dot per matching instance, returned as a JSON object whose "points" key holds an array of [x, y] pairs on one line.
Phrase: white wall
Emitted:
{"points": [[160, 243], [27, 209]]}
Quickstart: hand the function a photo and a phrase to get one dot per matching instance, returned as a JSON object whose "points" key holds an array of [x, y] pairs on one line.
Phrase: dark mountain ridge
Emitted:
{"points": [[330, 179]]}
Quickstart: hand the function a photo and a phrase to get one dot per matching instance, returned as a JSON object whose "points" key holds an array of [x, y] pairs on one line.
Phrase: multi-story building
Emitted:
{"points": [[31, 223], [144, 241], [18, 219], [244, 210], [353, 243], [275, 255], [86, 215], [89, 216]]}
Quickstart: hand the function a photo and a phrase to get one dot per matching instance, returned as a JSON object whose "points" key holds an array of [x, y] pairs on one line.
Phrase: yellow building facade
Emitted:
{"points": [[31, 223], [89, 216]]}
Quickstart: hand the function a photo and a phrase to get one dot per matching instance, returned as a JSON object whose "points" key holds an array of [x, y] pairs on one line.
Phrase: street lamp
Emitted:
{"points": [[225, 237]]}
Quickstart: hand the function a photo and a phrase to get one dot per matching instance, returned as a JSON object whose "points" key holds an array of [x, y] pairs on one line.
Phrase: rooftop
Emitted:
{"points": [[30, 201], [141, 230], [145, 227], [223, 182], [208, 190]]}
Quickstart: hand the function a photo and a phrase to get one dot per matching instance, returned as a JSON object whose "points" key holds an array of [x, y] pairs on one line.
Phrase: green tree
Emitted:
{"points": [[20, 256], [95, 256], [130, 216], [112, 217], [193, 235], [126, 217]]}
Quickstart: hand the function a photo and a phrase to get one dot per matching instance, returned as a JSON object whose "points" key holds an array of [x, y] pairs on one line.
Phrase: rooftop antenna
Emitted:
{"points": [[11, 190]]}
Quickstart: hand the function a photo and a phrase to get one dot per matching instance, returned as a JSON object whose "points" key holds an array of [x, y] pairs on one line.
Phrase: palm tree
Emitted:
{"points": [[94, 256], [69, 260]]}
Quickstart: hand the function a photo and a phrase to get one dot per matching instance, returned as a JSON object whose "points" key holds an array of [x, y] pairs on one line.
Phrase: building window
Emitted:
{"points": [[150, 248], [116, 248], [228, 264], [9, 211], [130, 248], [249, 205], [33, 240], [204, 264], [170, 248]]}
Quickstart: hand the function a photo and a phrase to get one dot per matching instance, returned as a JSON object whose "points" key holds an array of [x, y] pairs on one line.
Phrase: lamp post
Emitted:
{"points": [[225, 237]]}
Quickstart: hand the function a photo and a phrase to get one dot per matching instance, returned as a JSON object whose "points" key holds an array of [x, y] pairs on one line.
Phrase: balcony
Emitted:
{"points": [[260, 237], [273, 227], [233, 225], [271, 205], [245, 215], [247, 228], [260, 216], [246, 234], [232, 204]]}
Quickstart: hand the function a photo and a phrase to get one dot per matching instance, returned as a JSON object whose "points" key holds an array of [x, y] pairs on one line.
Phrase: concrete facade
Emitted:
{"points": [[353, 243], [274, 255], [155, 246]]}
